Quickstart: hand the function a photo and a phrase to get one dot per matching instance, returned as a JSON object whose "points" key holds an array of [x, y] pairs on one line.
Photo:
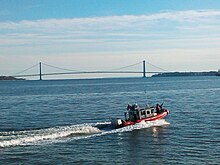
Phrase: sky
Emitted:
{"points": [[176, 35]]}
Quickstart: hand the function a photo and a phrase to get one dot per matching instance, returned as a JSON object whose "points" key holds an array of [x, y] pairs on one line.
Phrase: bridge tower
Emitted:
{"points": [[144, 69], [40, 71]]}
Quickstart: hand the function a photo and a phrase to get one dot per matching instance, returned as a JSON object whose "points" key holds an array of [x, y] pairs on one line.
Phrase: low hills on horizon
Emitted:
{"points": [[10, 78], [176, 74]]}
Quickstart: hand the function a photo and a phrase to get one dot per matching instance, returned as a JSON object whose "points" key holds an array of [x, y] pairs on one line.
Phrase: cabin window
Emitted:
{"points": [[143, 114], [148, 112], [152, 110]]}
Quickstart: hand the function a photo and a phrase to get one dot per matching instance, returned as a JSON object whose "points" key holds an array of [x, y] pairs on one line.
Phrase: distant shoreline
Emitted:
{"points": [[179, 74], [10, 78]]}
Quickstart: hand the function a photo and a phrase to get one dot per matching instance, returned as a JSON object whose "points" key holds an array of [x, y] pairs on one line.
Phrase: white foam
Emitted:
{"points": [[44, 135], [66, 133]]}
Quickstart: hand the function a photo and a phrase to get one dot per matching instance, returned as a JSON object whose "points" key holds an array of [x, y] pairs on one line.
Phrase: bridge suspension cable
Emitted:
{"points": [[61, 68], [124, 67], [157, 67], [25, 70]]}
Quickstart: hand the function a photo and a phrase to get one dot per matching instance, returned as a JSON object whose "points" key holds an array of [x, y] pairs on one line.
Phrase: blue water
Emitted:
{"points": [[67, 121]]}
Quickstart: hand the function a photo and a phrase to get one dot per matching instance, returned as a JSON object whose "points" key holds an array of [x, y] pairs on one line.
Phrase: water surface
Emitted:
{"points": [[67, 121]]}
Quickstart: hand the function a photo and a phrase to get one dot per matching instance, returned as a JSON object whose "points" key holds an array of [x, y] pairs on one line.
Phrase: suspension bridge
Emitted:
{"points": [[65, 71]]}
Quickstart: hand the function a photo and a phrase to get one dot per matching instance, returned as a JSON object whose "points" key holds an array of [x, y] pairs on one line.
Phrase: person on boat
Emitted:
{"points": [[133, 107], [137, 107], [129, 107], [158, 108]]}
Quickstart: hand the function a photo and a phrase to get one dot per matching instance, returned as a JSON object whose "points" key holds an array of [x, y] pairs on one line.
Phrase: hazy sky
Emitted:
{"points": [[177, 35]]}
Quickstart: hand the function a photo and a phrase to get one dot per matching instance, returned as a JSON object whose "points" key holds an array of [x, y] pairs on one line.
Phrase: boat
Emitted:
{"points": [[135, 114]]}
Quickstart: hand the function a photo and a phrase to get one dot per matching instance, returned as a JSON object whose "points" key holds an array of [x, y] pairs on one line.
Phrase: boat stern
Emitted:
{"points": [[116, 123]]}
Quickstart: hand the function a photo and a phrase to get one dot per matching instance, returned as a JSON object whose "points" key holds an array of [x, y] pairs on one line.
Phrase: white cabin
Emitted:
{"points": [[137, 114]]}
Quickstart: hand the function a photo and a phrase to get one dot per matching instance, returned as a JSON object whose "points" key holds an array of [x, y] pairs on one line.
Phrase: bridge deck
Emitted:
{"points": [[85, 72]]}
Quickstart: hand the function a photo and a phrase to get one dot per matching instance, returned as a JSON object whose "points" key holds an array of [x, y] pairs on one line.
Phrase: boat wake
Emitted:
{"points": [[67, 133]]}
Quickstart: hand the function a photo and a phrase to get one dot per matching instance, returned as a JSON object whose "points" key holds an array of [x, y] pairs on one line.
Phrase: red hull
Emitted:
{"points": [[157, 117]]}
